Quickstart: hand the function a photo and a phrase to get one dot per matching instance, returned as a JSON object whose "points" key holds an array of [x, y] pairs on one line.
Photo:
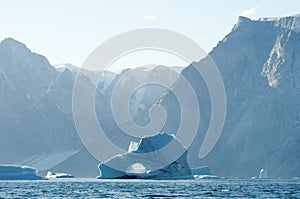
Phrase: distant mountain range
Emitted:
{"points": [[36, 124], [259, 61]]}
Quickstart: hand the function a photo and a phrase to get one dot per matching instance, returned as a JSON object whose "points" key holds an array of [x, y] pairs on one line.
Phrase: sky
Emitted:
{"points": [[67, 31]]}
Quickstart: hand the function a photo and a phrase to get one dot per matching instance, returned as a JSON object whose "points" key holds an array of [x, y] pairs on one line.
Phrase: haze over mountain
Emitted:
{"points": [[260, 65], [36, 124]]}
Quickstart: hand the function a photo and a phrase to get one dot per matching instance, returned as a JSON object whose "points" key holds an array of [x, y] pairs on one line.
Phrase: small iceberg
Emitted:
{"points": [[263, 174], [206, 177], [51, 175], [16, 172], [201, 171]]}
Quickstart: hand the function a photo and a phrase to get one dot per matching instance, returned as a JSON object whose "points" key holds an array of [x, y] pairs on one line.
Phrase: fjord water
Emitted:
{"points": [[92, 188]]}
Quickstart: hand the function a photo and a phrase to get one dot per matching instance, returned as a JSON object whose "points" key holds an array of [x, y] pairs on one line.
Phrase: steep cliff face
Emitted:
{"points": [[36, 115], [260, 65]]}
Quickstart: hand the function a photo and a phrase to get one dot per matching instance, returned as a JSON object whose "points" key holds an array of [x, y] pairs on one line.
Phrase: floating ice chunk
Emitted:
{"points": [[263, 173], [206, 177], [16, 172], [51, 175]]}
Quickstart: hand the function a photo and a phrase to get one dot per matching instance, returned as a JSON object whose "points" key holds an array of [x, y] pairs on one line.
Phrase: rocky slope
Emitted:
{"points": [[35, 116], [260, 65]]}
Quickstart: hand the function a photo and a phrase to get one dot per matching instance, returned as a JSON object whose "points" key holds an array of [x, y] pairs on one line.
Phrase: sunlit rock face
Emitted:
{"points": [[135, 166]]}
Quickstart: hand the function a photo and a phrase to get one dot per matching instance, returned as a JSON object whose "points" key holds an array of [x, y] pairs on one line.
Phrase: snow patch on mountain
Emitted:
{"points": [[270, 68], [106, 78], [62, 67]]}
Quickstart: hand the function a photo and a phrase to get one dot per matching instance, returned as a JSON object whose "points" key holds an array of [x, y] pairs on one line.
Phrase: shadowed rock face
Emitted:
{"points": [[135, 166], [260, 65], [36, 115]]}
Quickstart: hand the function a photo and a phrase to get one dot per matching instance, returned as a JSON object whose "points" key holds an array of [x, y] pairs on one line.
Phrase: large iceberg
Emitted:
{"points": [[134, 166], [15, 172]]}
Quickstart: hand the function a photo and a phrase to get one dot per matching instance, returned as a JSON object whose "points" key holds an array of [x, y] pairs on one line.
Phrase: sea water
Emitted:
{"points": [[93, 188]]}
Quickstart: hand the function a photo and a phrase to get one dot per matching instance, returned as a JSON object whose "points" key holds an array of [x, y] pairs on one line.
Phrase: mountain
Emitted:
{"points": [[36, 125], [33, 94], [62, 67], [105, 80], [259, 61]]}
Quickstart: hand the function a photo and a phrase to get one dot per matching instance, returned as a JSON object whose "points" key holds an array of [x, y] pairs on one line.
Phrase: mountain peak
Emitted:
{"points": [[242, 18], [11, 41], [66, 66], [14, 45], [288, 22]]}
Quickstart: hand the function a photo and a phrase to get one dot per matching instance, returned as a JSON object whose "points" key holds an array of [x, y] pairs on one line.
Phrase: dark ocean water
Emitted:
{"points": [[90, 188]]}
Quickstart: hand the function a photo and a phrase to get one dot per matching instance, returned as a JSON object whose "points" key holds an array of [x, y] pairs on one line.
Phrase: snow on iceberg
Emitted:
{"points": [[51, 175], [16, 172], [134, 167]]}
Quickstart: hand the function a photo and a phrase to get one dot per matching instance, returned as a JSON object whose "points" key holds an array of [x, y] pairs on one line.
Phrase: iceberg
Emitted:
{"points": [[16, 172], [210, 177], [263, 174], [51, 175], [132, 166], [201, 171]]}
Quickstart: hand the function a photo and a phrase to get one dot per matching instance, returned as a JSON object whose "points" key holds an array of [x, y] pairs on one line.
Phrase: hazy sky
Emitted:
{"points": [[66, 31]]}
